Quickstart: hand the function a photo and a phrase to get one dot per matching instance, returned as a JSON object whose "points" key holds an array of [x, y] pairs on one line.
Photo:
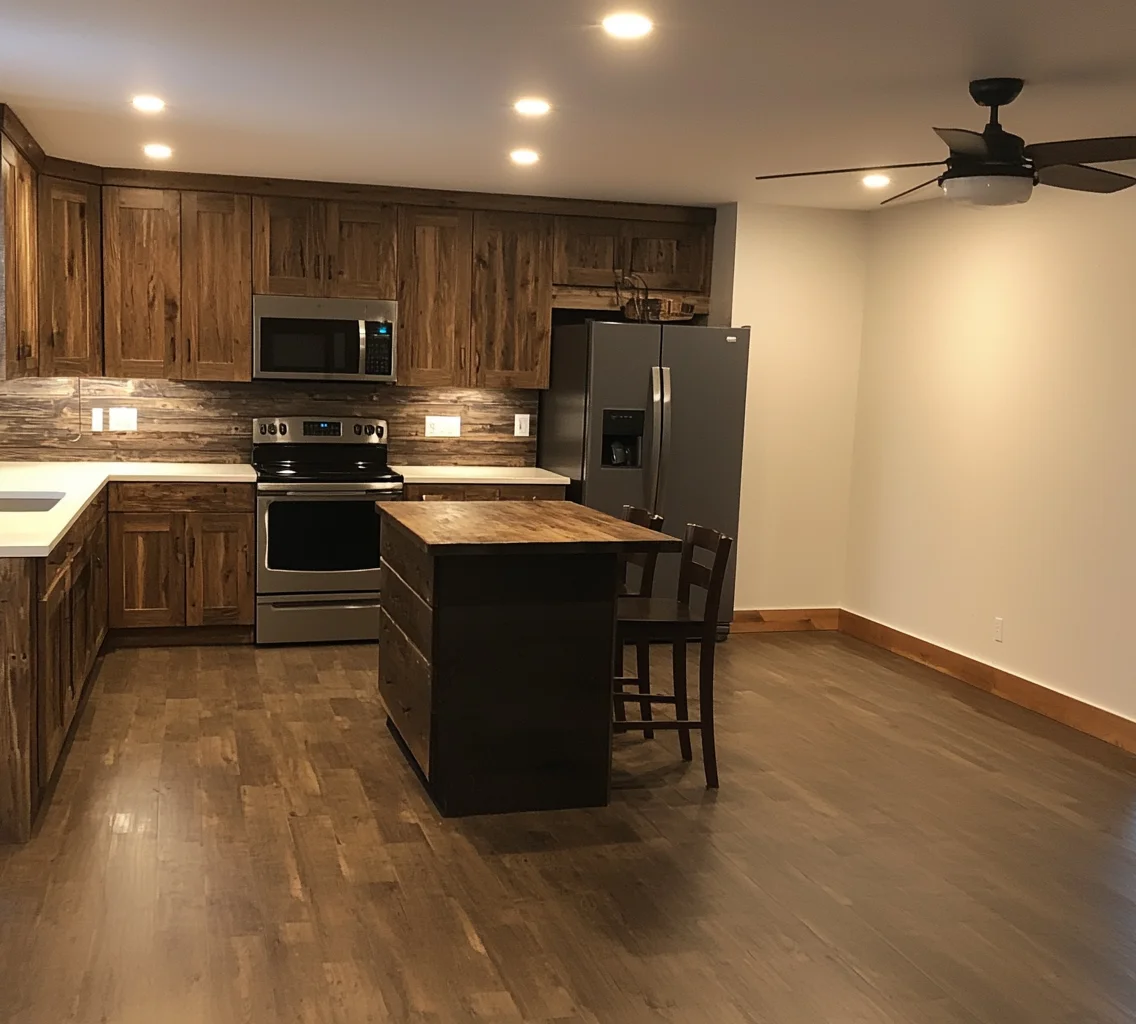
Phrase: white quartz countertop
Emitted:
{"points": [[522, 476], [34, 534]]}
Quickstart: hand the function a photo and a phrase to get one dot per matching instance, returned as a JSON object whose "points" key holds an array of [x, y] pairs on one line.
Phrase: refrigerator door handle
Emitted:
{"points": [[665, 448], [651, 497]]}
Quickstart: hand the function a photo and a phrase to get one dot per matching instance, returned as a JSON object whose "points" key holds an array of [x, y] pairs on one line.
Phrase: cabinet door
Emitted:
{"points": [[147, 562], [216, 286], [100, 580], [673, 257], [435, 250], [289, 238], [142, 281], [589, 251], [53, 670], [13, 349], [512, 300], [362, 251], [219, 572], [82, 632], [71, 279], [21, 273]]}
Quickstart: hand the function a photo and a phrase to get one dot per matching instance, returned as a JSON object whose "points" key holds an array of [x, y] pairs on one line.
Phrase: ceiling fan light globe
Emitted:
{"points": [[988, 190]]}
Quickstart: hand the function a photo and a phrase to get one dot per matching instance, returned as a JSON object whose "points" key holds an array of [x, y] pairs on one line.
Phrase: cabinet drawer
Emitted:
{"points": [[170, 497], [410, 613], [405, 688], [538, 492], [411, 562], [83, 528]]}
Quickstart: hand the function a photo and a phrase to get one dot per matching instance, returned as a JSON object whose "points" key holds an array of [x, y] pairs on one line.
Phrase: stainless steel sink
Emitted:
{"points": [[29, 501]]}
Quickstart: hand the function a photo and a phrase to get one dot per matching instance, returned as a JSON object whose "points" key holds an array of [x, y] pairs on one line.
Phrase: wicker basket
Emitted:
{"points": [[658, 310]]}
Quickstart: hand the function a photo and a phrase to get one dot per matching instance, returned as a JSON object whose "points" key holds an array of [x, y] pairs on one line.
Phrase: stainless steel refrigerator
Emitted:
{"points": [[650, 415]]}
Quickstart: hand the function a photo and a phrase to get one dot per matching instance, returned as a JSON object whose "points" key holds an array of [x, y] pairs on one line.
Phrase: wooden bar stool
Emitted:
{"points": [[645, 563], [655, 620]]}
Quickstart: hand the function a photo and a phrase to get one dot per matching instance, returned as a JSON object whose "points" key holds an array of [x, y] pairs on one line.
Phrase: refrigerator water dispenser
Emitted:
{"points": [[623, 438]]}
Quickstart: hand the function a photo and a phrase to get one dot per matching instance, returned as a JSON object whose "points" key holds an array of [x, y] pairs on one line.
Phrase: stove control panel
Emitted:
{"points": [[306, 430]]}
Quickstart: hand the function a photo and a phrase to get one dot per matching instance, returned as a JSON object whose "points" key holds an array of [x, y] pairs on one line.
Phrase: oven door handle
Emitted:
{"points": [[331, 495]]}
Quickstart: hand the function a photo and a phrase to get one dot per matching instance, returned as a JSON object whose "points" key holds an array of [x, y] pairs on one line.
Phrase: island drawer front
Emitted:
{"points": [[410, 561], [412, 615], [173, 497], [405, 688]]}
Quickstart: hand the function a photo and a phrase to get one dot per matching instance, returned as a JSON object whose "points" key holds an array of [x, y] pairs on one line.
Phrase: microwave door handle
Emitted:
{"points": [[362, 348]]}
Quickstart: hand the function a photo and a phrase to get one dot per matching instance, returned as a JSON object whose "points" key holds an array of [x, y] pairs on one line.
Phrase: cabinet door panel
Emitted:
{"points": [[219, 572], [142, 281], [100, 581], [147, 560], [216, 285], [589, 251], [71, 281], [10, 322], [82, 633], [289, 246], [20, 308], [512, 300], [669, 256], [435, 250], [362, 248], [53, 673]]}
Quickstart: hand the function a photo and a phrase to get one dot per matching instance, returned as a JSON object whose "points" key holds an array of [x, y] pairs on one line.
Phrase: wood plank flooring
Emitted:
{"points": [[235, 838]]}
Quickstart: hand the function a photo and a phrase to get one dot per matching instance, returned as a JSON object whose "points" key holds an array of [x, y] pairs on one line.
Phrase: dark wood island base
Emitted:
{"points": [[496, 649]]}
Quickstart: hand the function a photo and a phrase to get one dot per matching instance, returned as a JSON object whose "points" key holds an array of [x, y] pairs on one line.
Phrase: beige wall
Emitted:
{"points": [[995, 456], [799, 278]]}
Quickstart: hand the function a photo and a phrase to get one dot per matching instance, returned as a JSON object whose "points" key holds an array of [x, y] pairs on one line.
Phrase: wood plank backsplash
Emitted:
{"points": [[212, 422]]}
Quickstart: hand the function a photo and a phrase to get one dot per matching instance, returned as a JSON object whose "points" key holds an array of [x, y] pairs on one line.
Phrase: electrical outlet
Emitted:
{"points": [[96, 420], [125, 418], [521, 424], [443, 426], [998, 630]]}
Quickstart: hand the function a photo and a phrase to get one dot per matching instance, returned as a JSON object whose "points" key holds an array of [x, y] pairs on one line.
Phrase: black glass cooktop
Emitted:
{"points": [[286, 463]]}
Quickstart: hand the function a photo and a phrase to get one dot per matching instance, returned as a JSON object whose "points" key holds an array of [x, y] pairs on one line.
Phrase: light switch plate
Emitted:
{"points": [[443, 426], [125, 418], [96, 420], [521, 424]]}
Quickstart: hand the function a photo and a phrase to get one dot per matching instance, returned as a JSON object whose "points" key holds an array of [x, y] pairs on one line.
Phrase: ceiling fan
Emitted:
{"points": [[996, 168]]}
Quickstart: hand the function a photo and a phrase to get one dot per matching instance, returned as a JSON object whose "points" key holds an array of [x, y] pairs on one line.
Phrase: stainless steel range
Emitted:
{"points": [[317, 534]]}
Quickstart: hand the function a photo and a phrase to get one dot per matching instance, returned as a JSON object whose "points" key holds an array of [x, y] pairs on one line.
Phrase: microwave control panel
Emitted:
{"points": [[379, 348]]}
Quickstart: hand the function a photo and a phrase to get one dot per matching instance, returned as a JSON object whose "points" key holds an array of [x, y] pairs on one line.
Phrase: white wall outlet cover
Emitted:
{"points": [[96, 420], [124, 418], [521, 424], [443, 426]]}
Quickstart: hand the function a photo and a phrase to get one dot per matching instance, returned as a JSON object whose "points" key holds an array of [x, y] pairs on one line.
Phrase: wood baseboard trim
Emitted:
{"points": [[1060, 707], [182, 636], [784, 620]]}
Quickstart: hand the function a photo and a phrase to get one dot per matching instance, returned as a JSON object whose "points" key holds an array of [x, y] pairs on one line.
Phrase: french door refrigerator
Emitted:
{"points": [[650, 415]]}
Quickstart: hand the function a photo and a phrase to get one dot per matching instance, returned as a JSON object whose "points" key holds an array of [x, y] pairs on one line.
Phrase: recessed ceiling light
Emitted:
{"points": [[524, 157], [149, 104], [157, 151], [531, 106], [626, 25], [877, 181]]}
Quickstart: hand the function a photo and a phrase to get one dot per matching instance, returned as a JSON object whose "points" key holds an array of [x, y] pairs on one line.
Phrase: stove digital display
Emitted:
{"points": [[323, 428]]}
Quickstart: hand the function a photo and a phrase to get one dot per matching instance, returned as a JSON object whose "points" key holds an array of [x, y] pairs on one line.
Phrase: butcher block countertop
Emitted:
{"points": [[490, 527]]}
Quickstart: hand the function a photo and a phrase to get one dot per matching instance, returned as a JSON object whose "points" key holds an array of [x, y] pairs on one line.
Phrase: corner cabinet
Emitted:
{"points": [[324, 249], [70, 279], [512, 299], [19, 271], [176, 270]]}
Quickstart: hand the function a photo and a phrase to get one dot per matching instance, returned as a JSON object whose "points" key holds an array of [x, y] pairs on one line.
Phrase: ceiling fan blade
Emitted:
{"points": [[964, 142], [847, 170], [892, 199], [1084, 179], [1083, 151]]}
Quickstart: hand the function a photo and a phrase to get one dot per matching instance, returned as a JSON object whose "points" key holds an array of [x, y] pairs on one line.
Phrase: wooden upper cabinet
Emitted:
{"points": [[589, 251], [19, 301], [289, 246], [512, 299], [71, 279], [142, 281], [362, 248], [669, 257], [435, 252], [216, 286], [219, 572]]}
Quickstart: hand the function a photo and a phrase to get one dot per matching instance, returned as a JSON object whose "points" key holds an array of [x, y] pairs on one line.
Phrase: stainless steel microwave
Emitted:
{"points": [[324, 339]]}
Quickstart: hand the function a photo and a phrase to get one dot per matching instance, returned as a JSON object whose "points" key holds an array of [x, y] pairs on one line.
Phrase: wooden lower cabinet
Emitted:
{"points": [[483, 492], [147, 555], [53, 671], [219, 569]]}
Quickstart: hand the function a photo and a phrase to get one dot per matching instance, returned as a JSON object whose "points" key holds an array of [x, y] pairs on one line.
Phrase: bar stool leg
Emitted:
{"points": [[643, 672], [619, 706], [682, 711], [706, 713]]}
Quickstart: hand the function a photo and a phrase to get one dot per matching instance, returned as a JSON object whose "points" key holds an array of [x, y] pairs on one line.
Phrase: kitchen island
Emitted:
{"points": [[497, 640]]}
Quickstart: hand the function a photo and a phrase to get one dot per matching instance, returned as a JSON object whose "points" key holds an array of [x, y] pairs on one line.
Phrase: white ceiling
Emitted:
{"points": [[418, 92]]}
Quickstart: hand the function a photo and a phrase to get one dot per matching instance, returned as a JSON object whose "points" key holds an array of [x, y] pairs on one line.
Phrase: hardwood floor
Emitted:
{"points": [[235, 837]]}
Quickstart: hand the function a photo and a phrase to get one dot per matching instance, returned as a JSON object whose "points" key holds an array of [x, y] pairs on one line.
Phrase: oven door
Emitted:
{"points": [[318, 541]]}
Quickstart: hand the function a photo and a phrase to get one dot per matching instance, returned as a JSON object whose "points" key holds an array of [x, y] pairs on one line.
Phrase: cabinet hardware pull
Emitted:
{"points": [[192, 550]]}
